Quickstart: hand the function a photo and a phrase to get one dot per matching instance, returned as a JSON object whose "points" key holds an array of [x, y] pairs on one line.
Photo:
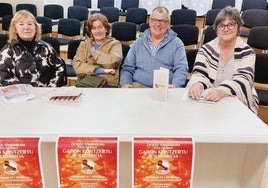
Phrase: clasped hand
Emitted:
{"points": [[197, 92], [109, 71]]}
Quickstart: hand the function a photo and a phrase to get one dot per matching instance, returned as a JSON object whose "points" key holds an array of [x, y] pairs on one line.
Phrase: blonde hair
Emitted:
{"points": [[20, 15]]}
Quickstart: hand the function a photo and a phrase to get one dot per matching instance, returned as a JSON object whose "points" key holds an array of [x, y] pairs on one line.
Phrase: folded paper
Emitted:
{"points": [[160, 85]]}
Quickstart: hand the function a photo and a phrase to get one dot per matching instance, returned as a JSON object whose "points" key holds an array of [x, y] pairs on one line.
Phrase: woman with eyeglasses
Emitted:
{"points": [[225, 66], [158, 46]]}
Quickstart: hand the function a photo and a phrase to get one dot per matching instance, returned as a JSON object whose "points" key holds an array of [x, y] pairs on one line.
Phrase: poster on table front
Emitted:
{"points": [[162, 162], [20, 162], [87, 162]]}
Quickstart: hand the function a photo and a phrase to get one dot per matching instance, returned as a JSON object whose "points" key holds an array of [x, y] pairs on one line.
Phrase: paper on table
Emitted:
{"points": [[160, 158], [160, 87], [85, 168], [66, 94], [17, 93], [186, 97]]}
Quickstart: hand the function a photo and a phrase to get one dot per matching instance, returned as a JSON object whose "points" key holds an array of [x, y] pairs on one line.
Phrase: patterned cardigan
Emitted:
{"points": [[241, 86], [42, 68]]}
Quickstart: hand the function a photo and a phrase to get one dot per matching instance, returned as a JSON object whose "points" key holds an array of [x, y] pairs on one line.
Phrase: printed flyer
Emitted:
{"points": [[162, 162], [20, 163], [87, 162]]}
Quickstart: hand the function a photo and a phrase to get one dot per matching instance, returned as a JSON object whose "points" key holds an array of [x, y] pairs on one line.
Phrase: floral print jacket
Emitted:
{"points": [[41, 68]]}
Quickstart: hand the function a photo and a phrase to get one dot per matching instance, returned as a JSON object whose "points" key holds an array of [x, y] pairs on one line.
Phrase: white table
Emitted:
{"points": [[231, 142]]}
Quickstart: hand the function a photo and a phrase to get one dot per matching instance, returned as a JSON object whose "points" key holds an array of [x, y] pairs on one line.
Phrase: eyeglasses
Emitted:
{"points": [[229, 26], [161, 22]]}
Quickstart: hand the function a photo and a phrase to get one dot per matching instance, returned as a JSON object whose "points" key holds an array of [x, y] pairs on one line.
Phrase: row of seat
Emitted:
{"points": [[257, 38], [178, 16], [136, 15], [69, 27], [57, 11], [250, 17], [183, 23], [125, 4], [6, 8], [123, 31], [126, 31]]}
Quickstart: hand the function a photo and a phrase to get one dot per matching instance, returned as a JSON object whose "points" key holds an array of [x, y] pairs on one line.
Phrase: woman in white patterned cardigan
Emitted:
{"points": [[225, 65]]}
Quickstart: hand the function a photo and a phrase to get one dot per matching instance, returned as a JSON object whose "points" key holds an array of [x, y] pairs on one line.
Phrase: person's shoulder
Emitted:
{"points": [[82, 43], [242, 46], [211, 44], [85, 42], [172, 34], [43, 43], [144, 36], [240, 42], [14, 42], [113, 41], [173, 39]]}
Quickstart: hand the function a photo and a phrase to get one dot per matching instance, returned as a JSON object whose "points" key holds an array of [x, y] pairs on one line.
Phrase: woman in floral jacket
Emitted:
{"points": [[26, 59]]}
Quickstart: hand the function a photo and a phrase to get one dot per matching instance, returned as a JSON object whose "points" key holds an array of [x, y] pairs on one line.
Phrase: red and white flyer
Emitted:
{"points": [[20, 162], [162, 162], [87, 162]]}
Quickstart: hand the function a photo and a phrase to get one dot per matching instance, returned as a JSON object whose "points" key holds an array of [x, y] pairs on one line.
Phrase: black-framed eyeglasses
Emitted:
{"points": [[230, 26], [161, 22]]}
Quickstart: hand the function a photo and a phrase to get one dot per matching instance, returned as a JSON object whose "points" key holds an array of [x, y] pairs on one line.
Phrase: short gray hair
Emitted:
{"points": [[228, 13], [162, 9]]}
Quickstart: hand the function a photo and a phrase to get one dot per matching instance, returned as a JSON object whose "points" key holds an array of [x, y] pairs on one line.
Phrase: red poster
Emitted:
{"points": [[87, 162], [162, 162], [20, 163]]}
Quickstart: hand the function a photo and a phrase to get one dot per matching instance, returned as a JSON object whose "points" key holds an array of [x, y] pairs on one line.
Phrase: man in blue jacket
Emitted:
{"points": [[157, 47]]}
